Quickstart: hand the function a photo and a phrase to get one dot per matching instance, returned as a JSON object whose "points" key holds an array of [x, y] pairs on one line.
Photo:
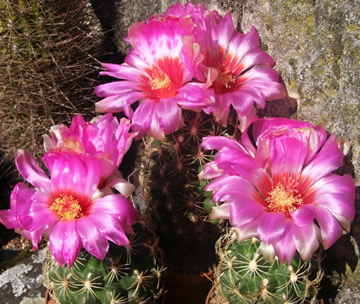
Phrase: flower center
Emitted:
{"points": [[224, 81], [284, 198], [159, 80], [66, 207], [72, 145]]}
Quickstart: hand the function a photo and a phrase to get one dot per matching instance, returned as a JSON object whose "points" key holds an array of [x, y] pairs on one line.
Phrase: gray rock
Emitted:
{"points": [[24, 282]]}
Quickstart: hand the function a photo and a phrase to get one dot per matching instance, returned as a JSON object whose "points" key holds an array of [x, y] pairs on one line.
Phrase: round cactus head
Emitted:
{"points": [[128, 274], [245, 276]]}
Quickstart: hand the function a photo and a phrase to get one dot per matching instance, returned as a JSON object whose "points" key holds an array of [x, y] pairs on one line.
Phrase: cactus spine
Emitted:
{"points": [[47, 70], [243, 275], [129, 274], [174, 195]]}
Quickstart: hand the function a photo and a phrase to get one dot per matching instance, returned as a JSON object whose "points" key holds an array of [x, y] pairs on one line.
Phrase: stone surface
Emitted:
{"points": [[24, 283]]}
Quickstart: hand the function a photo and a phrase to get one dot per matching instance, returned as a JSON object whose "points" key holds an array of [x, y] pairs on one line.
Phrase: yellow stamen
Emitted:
{"points": [[283, 199], [159, 80], [225, 79], [73, 145], [67, 207]]}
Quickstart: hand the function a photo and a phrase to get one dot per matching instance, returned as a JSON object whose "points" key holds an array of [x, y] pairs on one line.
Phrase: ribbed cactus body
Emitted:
{"points": [[174, 194], [128, 274], [245, 276]]}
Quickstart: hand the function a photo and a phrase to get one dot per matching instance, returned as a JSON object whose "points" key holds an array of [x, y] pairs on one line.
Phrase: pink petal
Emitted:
{"points": [[287, 156], [8, 219], [264, 80], [56, 242], [304, 216], [31, 171], [306, 240], [327, 160], [117, 103], [142, 117], [230, 188], [93, 241], [225, 30], [168, 114], [30, 207], [71, 245], [285, 248], [256, 56], [80, 174], [115, 88], [117, 206], [336, 194], [194, 96], [122, 71], [210, 171], [244, 211], [221, 212], [34, 236], [221, 109], [218, 142], [271, 227], [240, 47], [247, 231], [243, 101], [110, 228], [330, 229]]}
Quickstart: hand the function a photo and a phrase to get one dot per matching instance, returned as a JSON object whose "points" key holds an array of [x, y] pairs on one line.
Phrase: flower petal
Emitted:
{"points": [[327, 160], [117, 103], [271, 227], [244, 211], [285, 248], [142, 117], [330, 229], [32, 172], [303, 216], [336, 194], [93, 241], [306, 240], [110, 228], [168, 114], [117, 206]]}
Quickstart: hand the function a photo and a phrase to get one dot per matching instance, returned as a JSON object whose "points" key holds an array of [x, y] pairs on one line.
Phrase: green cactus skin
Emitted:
{"points": [[130, 274], [168, 173], [243, 275]]}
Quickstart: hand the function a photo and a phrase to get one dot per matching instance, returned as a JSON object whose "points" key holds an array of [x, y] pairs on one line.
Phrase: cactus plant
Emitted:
{"points": [[174, 194], [129, 274], [243, 275]]}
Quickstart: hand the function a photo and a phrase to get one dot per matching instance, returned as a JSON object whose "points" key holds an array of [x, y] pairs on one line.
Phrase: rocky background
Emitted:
{"points": [[316, 46]]}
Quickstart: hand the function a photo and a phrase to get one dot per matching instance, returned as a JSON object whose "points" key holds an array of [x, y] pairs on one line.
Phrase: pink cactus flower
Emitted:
{"points": [[157, 72], [68, 208], [239, 72], [104, 137], [280, 187]]}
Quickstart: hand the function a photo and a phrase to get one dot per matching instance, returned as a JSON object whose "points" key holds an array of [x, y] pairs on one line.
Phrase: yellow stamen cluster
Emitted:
{"points": [[159, 80], [66, 207], [283, 199], [226, 80], [73, 145]]}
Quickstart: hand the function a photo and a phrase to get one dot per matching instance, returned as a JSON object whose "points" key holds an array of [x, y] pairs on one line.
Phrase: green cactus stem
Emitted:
{"points": [[243, 275], [174, 195], [130, 274]]}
